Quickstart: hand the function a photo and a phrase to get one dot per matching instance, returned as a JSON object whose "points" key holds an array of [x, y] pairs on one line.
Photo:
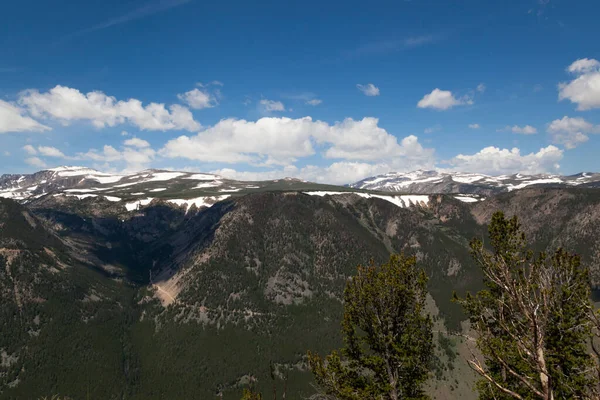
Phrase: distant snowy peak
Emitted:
{"points": [[459, 182], [83, 180]]}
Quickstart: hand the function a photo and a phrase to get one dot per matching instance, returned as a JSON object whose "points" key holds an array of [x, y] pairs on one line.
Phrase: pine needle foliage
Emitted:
{"points": [[532, 320], [387, 334]]}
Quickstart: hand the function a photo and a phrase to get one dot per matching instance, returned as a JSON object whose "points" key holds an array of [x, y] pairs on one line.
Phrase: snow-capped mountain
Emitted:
{"points": [[457, 182], [140, 189], [201, 189], [84, 182]]}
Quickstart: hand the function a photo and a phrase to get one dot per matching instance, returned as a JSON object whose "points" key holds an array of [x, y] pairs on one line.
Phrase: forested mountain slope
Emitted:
{"points": [[173, 301]]}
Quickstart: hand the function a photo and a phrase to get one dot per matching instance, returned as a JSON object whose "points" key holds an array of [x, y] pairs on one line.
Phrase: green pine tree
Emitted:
{"points": [[532, 320], [387, 334]]}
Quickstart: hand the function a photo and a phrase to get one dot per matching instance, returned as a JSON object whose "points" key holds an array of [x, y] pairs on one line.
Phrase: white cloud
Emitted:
{"points": [[474, 126], [281, 141], [12, 119], [584, 90], [271, 105], [481, 88], [365, 140], [136, 142], [36, 162], [124, 133], [134, 156], [369, 89], [68, 105], [314, 102], [6, 153], [198, 99], [212, 83], [341, 172], [442, 100], [571, 132], [50, 152], [393, 45], [583, 66], [432, 129], [143, 11], [492, 160], [522, 130], [44, 151], [29, 149]]}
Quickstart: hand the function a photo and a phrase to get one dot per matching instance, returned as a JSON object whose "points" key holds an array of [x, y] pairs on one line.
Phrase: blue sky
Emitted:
{"points": [[327, 91]]}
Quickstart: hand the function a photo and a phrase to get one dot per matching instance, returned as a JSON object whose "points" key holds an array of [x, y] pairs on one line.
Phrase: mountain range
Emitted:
{"points": [[458, 182], [169, 285]]}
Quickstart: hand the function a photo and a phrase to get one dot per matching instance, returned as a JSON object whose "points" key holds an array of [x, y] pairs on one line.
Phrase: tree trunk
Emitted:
{"points": [[544, 380]]}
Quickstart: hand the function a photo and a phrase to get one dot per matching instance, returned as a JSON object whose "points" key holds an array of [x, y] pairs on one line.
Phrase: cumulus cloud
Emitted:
{"points": [[481, 88], [13, 119], [474, 126], [35, 162], [522, 130], [281, 141], [369, 89], [314, 102], [46, 151], [198, 99], [584, 90], [136, 142], [272, 105], [571, 132], [135, 155], [341, 172], [50, 152], [365, 140], [442, 100], [29, 149], [68, 105], [583, 66], [493, 160]]}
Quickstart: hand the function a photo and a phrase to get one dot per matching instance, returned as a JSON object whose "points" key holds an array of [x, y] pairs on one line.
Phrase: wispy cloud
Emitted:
{"points": [[141, 12], [392, 45], [368, 90], [307, 97]]}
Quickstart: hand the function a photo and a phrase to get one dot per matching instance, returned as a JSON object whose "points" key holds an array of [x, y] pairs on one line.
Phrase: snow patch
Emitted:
{"points": [[134, 205], [104, 179], [206, 201], [467, 178], [164, 176], [400, 201], [208, 184], [534, 182], [202, 177], [466, 199]]}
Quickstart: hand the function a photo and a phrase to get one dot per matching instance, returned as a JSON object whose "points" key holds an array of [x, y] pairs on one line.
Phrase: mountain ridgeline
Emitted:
{"points": [[211, 284]]}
